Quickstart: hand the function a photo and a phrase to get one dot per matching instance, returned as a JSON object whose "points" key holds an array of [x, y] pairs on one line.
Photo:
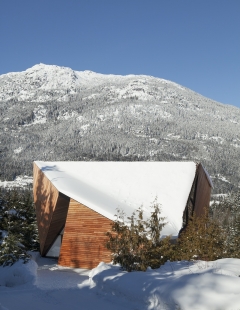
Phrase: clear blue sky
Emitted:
{"points": [[195, 43]]}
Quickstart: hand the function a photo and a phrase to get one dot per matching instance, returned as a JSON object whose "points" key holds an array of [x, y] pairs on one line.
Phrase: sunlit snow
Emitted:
{"points": [[42, 284], [64, 82], [19, 181]]}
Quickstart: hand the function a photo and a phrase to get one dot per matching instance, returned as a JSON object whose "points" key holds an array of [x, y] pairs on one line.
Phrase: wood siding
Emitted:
{"points": [[58, 221], [84, 237], [203, 191], [199, 197], [51, 209]]}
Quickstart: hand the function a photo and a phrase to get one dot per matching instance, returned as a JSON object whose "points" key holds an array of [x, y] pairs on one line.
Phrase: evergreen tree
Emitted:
{"points": [[136, 244], [17, 226], [11, 250], [227, 212], [203, 238]]}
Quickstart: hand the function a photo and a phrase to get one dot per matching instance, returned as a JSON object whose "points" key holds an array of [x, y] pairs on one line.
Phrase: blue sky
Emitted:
{"points": [[195, 43]]}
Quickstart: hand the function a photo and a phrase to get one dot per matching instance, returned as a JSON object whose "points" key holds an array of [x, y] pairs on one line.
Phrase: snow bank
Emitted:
{"points": [[18, 274], [179, 285]]}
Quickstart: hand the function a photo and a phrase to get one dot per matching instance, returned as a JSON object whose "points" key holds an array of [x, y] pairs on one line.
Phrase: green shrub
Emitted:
{"points": [[135, 244], [203, 238]]}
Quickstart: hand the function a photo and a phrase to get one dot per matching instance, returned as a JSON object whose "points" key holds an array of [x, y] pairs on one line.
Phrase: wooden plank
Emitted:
{"points": [[84, 237], [58, 221], [199, 197], [51, 209], [45, 197], [203, 192]]}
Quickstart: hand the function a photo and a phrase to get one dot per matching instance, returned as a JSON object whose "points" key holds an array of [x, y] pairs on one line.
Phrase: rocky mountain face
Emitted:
{"points": [[55, 113]]}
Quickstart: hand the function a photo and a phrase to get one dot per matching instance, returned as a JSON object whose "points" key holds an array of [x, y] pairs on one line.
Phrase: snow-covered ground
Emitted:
{"points": [[174, 286], [44, 285], [22, 181]]}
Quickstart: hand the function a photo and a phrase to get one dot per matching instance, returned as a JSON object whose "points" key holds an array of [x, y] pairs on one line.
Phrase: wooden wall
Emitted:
{"points": [[84, 237], [199, 197], [203, 192], [51, 209]]}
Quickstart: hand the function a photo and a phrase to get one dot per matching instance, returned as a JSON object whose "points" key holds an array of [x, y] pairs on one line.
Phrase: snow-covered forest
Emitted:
{"points": [[54, 113]]}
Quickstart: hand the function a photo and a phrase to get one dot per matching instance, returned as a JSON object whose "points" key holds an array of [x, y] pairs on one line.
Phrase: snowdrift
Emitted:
{"points": [[183, 285], [18, 274]]}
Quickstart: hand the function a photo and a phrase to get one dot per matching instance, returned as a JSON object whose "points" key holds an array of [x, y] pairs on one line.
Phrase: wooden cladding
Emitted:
{"points": [[58, 221], [51, 209], [202, 192], [84, 237], [199, 197]]}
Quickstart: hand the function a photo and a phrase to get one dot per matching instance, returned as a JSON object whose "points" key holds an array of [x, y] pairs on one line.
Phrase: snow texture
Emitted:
{"points": [[106, 186], [18, 274], [181, 285], [176, 285], [49, 78], [20, 181]]}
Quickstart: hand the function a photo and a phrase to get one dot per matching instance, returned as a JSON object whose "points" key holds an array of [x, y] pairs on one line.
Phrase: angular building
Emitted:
{"points": [[76, 202]]}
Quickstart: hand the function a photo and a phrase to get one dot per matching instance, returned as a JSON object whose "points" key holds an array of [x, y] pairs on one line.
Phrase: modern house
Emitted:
{"points": [[76, 202]]}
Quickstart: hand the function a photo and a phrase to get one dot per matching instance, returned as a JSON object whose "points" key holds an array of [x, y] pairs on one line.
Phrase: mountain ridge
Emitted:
{"points": [[47, 114], [84, 77]]}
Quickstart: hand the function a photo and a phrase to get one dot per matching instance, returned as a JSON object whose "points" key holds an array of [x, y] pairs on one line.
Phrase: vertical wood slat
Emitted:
{"points": [[58, 221], [51, 209], [203, 192], [84, 238], [45, 196]]}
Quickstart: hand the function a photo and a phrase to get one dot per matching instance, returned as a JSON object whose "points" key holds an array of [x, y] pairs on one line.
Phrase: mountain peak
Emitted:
{"points": [[64, 82], [48, 68]]}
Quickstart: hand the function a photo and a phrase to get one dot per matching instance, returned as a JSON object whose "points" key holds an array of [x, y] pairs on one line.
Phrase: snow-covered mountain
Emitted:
{"points": [[55, 113], [47, 82]]}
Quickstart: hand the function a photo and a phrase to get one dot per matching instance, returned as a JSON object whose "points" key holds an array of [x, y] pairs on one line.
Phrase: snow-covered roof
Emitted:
{"points": [[106, 186]]}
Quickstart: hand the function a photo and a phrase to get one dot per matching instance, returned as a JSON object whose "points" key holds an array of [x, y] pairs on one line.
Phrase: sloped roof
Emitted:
{"points": [[106, 186]]}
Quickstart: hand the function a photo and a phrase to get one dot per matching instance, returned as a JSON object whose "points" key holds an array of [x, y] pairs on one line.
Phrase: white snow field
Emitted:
{"points": [[21, 181], [181, 285]]}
